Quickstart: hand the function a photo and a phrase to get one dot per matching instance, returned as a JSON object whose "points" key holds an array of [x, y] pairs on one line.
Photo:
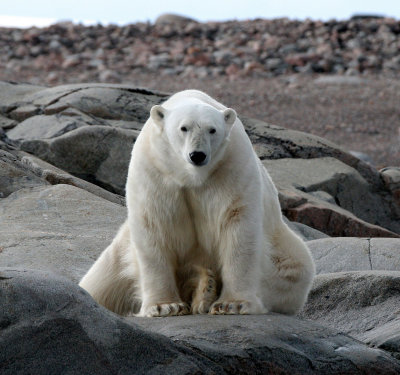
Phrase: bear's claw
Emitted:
{"points": [[166, 309]]}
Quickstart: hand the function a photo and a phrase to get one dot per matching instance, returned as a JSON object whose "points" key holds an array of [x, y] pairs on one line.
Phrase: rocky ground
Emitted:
{"points": [[64, 153], [334, 79]]}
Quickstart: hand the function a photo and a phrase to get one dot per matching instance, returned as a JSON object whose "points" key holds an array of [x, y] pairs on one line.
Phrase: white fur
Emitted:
{"points": [[204, 238]]}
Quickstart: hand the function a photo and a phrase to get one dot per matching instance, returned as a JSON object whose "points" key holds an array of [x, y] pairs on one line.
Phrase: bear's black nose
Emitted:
{"points": [[197, 157]]}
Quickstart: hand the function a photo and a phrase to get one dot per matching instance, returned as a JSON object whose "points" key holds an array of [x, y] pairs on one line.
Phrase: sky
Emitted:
{"points": [[25, 13]]}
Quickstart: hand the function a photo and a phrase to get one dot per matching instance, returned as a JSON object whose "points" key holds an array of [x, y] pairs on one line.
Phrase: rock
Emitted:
{"points": [[49, 325], [175, 19], [60, 228], [43, 127], [305, 232], [95, 153], [55, 176], [335, 221], [14, 175], [343, 189], [7, 123], [12, 93], [355, 254], [391, 178], [363, 304]]}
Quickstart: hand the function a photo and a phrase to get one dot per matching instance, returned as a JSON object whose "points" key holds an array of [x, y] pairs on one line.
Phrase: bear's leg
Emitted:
{"points": [[291, 272], [112, 279], [240, 273], [205, 292], [160, 296]]}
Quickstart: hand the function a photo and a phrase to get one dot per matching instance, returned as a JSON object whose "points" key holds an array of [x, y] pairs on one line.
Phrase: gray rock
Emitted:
{"points": [[11, 94], [95, 153], [43, 127], [343, 183], [7, 123], [355, 254], [363, 304], [391, 178], [54, 176], [50, 325], [385, 254], [59, 228], [14, 175], [175, 19], [305, 232], [341, 254]]}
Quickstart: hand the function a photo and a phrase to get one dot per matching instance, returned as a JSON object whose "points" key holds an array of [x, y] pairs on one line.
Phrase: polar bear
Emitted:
{"points": [[204, 232]]}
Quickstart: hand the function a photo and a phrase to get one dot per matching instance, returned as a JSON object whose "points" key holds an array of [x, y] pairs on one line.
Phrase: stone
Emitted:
{"points": [[60, 228], [44, 127], [13, 93], [95, 153], [346, 189], [51, 325], [305, 232], [53, 175], [341, 254], [175, 19], [14, 175], [391, 178], [363, 304], [335, 221], [7, 123]]}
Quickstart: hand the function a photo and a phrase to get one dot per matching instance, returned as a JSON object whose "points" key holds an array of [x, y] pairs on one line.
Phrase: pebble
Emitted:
{"points": [[185, 47]]}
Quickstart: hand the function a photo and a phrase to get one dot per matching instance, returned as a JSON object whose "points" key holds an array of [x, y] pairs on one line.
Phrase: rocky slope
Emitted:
{"points": [[63, 158]]}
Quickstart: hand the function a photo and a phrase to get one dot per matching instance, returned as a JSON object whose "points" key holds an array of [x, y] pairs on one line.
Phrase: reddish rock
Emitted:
{"points": [[335, 222]]}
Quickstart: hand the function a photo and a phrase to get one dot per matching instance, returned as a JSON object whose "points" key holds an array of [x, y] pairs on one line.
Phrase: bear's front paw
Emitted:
{"points": [[236, 307], [165, 309]]}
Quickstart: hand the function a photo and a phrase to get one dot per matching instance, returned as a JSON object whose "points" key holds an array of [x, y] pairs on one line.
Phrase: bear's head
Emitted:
{"points": [[197, 132]]}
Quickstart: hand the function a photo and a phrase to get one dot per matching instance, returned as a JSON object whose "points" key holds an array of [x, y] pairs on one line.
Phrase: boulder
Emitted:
{"points": [[363, 304], [58, 227], [49, 325], [328, 187], [174, 19], [99, 154]]}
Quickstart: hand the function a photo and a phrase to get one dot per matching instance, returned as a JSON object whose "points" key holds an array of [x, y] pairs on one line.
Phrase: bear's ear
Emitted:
{"points": [[229, 116], [157, 114]]}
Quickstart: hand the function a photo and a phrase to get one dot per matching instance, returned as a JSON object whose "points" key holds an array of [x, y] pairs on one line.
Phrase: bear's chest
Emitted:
{"points": [[207, 210]]}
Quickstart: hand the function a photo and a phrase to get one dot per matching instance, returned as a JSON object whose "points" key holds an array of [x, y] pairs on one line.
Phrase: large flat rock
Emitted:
{"points": [[59, 227], [50, 325], [355, 254]]}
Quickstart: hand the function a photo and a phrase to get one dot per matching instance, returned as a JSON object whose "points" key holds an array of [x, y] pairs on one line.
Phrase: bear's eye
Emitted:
{"points": [[212, 131], [184, 128]]}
